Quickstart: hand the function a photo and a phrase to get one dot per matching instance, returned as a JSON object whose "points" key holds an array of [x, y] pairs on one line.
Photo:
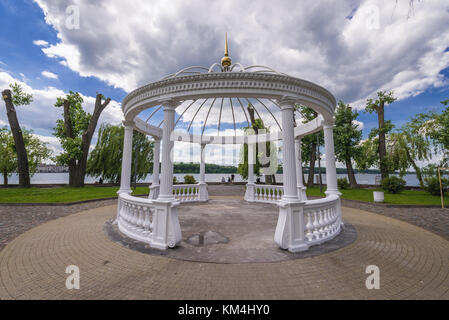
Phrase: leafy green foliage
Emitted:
{"points": [[19, 96], [105, 159], [432, 185], [79, 119], [37, 151], [343, 183], [188, 179], [347, 135], [393, 184], [383, 98], [8, 157]]}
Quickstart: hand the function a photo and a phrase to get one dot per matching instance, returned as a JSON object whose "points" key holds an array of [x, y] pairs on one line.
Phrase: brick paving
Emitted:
{"points": [[413, 262]]}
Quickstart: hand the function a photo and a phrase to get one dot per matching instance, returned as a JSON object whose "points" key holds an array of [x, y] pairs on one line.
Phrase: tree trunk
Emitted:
{"points": [[5, 178], [351, 175], [86, 139], [22, 158], [69, 134], [382, 144], [311, 165]]}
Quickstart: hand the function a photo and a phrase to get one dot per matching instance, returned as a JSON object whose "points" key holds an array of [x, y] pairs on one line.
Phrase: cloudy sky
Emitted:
{"points": [[353, 48]]}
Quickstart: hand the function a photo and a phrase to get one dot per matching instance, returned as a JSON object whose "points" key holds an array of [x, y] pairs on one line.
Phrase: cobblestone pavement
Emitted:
{"points": [[433, 219], [15, 220], [413, 263]]}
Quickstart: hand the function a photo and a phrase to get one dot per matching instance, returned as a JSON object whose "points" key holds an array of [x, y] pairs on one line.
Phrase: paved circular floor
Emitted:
{"points": [[413, 263], [230, 231]]}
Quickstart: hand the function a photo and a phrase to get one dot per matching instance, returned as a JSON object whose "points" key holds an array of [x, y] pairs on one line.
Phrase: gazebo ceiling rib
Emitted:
{"points": [[193, 118], [152, 114], [219, 117], [249, 102], [233, 117], [207, 116], [244, 112], [194, 100], [270, 113]]}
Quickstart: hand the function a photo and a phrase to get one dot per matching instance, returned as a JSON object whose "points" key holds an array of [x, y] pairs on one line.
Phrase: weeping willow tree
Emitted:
{"points": [[266, 153], [106, 159]]}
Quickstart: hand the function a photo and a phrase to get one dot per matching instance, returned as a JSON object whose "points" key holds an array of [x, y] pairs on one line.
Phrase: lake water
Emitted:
{"points": [[63, 178]]}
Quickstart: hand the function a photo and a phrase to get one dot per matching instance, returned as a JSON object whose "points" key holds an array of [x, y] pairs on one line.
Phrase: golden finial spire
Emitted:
{"points": [[226, 61]]}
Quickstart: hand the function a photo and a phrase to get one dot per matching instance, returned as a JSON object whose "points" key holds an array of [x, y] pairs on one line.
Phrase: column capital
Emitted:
{"points": [[286, 102], [128, 123], [170, 104], [327, 124]]}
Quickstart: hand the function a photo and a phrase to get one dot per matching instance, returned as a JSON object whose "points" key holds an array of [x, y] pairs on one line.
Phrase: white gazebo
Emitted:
{"points": [[226, 87]]}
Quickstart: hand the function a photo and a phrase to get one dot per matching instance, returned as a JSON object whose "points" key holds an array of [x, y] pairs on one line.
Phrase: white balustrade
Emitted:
{"points": [[135, 217], [322, 219], [187, 192], [268, 193]]}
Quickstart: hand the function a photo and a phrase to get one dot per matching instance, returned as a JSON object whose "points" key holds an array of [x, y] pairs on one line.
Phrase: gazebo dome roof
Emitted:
{"points": [[213, 101]]}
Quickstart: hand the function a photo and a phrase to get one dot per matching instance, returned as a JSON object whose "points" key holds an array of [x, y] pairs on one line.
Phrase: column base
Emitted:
{"points": [[128, 191], [302, 193], [166, 229], [289, 233], [204, 194], [154, 192], [249, 193]]}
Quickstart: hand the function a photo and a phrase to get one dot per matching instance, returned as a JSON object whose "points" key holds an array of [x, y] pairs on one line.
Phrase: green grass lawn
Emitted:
{"points": [[60, 194], [414, 197]]}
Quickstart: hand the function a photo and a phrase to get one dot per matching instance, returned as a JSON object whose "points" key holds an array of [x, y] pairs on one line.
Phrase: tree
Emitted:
{"points": [[409, 145], [37, 151], [347, 137], [309, 145], [105, 159], [14, 98], [8, 158], [75, 133], [368, 155], [266, 160], [378, 106]]}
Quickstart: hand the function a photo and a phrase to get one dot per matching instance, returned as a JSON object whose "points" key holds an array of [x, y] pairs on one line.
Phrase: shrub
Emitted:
{"points": [[393, 184], [189, 179], [175, 180], [432, 185], [343, 183]]}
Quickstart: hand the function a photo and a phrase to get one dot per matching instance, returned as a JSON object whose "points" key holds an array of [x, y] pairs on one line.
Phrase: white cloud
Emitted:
{"points": [[40, 43], [49, 75], [313, 40]]}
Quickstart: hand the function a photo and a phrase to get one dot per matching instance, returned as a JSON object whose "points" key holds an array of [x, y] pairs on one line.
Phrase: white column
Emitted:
{"points": [[250, 186], [166, 231], [125, 178], [299, 179], [203, 164], [290, 226], [166, 182], [154, 189], [288, 151], [331, 171], [204, 195], [251, 161]]}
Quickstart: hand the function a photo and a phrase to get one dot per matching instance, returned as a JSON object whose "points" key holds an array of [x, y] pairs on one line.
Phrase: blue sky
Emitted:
{"points": [[119, 47]]}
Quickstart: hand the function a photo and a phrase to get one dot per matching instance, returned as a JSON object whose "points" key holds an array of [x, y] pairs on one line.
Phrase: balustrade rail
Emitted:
{"points": [[268, 193], [321, 219], [135, 217], [186, 192]]}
